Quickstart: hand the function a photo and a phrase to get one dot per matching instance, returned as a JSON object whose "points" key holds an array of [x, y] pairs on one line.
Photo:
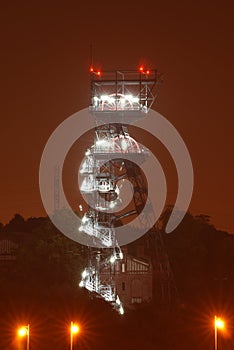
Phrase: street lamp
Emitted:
{"points": [[218, 324], [24, 332], [73, 330]]}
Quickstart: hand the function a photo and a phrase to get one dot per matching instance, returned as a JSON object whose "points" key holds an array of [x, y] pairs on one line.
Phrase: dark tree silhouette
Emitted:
{"points": [[17, 223]]}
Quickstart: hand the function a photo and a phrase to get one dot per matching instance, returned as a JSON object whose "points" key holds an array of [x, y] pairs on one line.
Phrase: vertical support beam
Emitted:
{"points": [[56, 188]]}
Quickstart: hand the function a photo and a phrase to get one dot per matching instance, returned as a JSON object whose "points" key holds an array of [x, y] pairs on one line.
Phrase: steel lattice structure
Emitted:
{"points": [[116, 92]]}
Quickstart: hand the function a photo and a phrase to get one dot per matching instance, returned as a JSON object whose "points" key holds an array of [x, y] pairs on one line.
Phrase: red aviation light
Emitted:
{"points": [[97, 72], [147, 72], [141, 68]]}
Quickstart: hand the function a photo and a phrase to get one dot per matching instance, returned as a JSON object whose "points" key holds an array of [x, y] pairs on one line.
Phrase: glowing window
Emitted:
{"points": [[136, 300]]}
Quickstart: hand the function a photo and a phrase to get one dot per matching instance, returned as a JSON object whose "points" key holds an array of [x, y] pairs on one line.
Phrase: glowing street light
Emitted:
{"points": [[73, 330], [24, 332], [218, 324]]}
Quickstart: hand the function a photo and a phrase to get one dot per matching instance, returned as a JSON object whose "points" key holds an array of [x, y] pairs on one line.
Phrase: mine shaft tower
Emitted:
{"points": [[125, 92]]}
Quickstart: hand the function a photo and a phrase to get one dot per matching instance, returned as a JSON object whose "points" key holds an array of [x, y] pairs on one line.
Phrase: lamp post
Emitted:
{"points": [[24, 332], [73, 330], [218, 324]]}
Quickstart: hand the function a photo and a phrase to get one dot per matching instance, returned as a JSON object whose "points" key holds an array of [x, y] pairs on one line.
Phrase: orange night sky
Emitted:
{"points": [[44, 79]]}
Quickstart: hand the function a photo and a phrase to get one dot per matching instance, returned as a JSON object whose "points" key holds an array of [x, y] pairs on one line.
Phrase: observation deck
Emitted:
{"points": [[124, 90]]}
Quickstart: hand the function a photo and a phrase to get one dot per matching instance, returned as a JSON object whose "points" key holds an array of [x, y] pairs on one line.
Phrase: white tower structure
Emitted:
{"points": [[130, 92]]}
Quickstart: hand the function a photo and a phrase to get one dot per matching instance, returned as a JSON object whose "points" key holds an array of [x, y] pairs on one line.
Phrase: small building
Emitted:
{"points": [[133, 278], [7, 249]]}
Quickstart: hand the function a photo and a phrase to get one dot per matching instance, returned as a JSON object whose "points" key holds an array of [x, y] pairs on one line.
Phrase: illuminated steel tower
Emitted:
{"points": [[125, 93]]}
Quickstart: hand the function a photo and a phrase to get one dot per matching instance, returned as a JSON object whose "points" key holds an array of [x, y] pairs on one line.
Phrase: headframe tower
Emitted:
{"points": [[125, 93]]}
